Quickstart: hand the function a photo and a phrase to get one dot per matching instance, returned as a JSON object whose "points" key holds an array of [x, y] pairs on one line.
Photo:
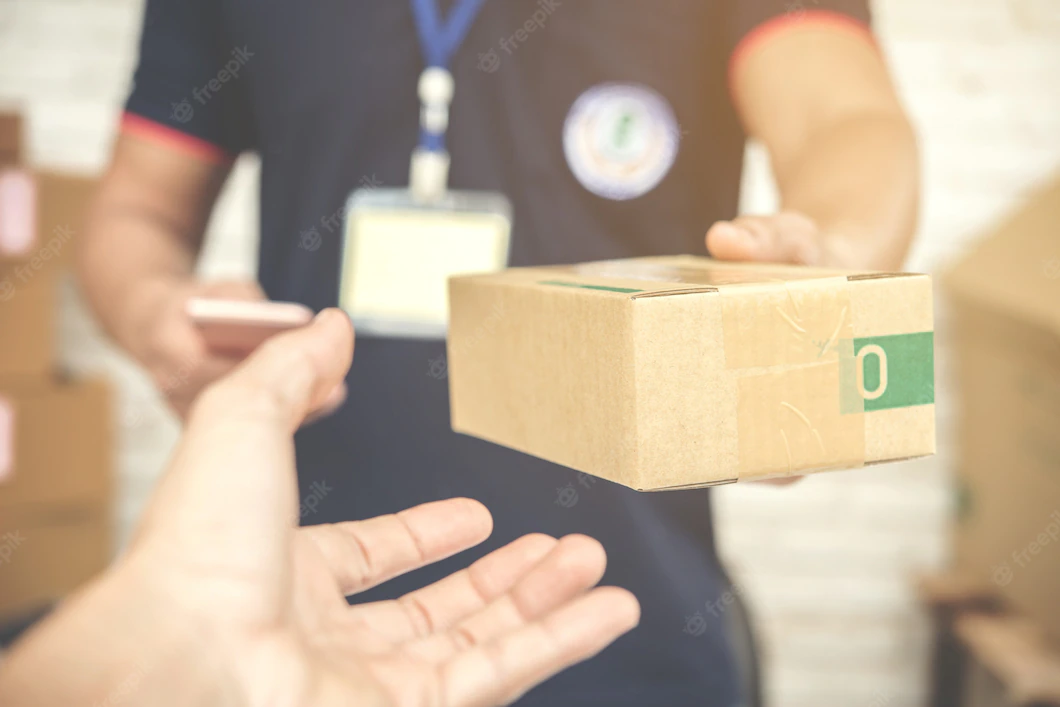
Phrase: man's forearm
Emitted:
{"points": [[858, 179], [128, 260], [144, 230]]}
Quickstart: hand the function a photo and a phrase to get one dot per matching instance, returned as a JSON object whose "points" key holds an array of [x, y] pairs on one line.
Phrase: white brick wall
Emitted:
{"points": [[826, 563]]}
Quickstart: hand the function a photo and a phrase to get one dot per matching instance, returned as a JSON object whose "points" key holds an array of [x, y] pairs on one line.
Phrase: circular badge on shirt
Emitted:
{"points": [[620, 140]]}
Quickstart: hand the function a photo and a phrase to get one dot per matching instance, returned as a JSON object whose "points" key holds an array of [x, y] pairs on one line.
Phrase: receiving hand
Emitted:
{"points": [[230, 603]]}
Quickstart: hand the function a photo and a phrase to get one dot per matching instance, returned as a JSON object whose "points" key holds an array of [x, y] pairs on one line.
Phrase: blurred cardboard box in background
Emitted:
{"points": [[679, 372], [1006, 305], [56, 466], [43, 557], [10, 139], [40, 212], [56, 486], [56, 443], [31, 266], [28, 322]]}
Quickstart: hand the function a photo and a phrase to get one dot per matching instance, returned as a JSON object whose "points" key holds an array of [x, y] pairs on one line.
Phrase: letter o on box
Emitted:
{"points": [[881, 355]]}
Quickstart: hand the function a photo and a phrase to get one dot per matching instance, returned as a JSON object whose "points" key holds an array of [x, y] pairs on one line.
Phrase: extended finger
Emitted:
{"points": [[361, 554], [572, 567], [444, 603], [499, 671], [787, 237]]}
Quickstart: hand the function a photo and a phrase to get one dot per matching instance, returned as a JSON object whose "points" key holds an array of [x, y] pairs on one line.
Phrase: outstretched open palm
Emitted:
{"points": [[220, 540]]}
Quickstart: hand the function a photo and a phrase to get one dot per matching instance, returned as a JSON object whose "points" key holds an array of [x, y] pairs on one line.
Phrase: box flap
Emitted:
{"points": [[639, 278], [1015, 269]]}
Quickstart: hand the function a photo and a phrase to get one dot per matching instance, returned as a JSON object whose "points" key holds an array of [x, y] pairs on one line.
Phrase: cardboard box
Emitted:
{"points": [[64, 198], [39, 214], [40, 211], [46, 555], [55, 445], [679, 372], [1005, 298], [10, 138], [18, 213], [28, 320]]}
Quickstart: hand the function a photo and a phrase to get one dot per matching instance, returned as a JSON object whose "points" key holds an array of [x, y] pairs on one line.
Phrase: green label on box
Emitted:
{"points": [[884, 372], [565, 283]]}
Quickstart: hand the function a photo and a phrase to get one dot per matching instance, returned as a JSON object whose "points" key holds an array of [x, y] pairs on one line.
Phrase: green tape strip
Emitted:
{"points": [[885, 372], [564, 283]]}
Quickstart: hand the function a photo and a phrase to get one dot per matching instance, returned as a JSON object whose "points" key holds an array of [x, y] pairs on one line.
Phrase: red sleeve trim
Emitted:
{"points": [[134, 124], [790, 20]]}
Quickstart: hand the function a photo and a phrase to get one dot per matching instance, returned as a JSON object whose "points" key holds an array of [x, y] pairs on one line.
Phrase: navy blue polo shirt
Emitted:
{"points": [[325, 93]]}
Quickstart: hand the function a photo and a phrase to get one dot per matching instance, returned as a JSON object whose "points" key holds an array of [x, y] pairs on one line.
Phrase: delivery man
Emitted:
{"points": [[614, 127]]}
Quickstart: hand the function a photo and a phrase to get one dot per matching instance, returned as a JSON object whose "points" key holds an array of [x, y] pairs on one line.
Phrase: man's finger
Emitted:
{"points": [[785, 481], [572, 567], [787, 237], [439, 606], [362, 554], [505, 668], [233, 289]]}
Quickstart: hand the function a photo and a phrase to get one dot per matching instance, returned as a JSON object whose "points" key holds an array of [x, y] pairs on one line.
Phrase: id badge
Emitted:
{"points": [[399, 253]]}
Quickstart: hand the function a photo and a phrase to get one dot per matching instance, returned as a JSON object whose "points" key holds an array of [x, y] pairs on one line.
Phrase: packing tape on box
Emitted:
{"points": [[18, 213], [797, 402], [7, 439]]}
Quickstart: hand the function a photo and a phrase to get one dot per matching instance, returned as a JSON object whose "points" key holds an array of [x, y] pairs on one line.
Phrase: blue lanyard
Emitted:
{"points": [[439, 43]]}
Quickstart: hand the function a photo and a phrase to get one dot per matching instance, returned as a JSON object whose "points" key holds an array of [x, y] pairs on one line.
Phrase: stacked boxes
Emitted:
{"points": [[55, 435], [10, 139]]}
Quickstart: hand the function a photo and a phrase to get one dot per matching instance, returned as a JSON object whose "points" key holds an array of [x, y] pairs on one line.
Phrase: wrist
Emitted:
{"points": [[117, 641]]}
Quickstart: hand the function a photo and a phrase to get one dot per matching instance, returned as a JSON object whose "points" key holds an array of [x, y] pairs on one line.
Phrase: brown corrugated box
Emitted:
{"points": [[10, 138], [30, 267], [43, 557], [56, 487], [680, 372], [57, 438], [63, 206], [51, 206], [1005, 299], [28, 321]]}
